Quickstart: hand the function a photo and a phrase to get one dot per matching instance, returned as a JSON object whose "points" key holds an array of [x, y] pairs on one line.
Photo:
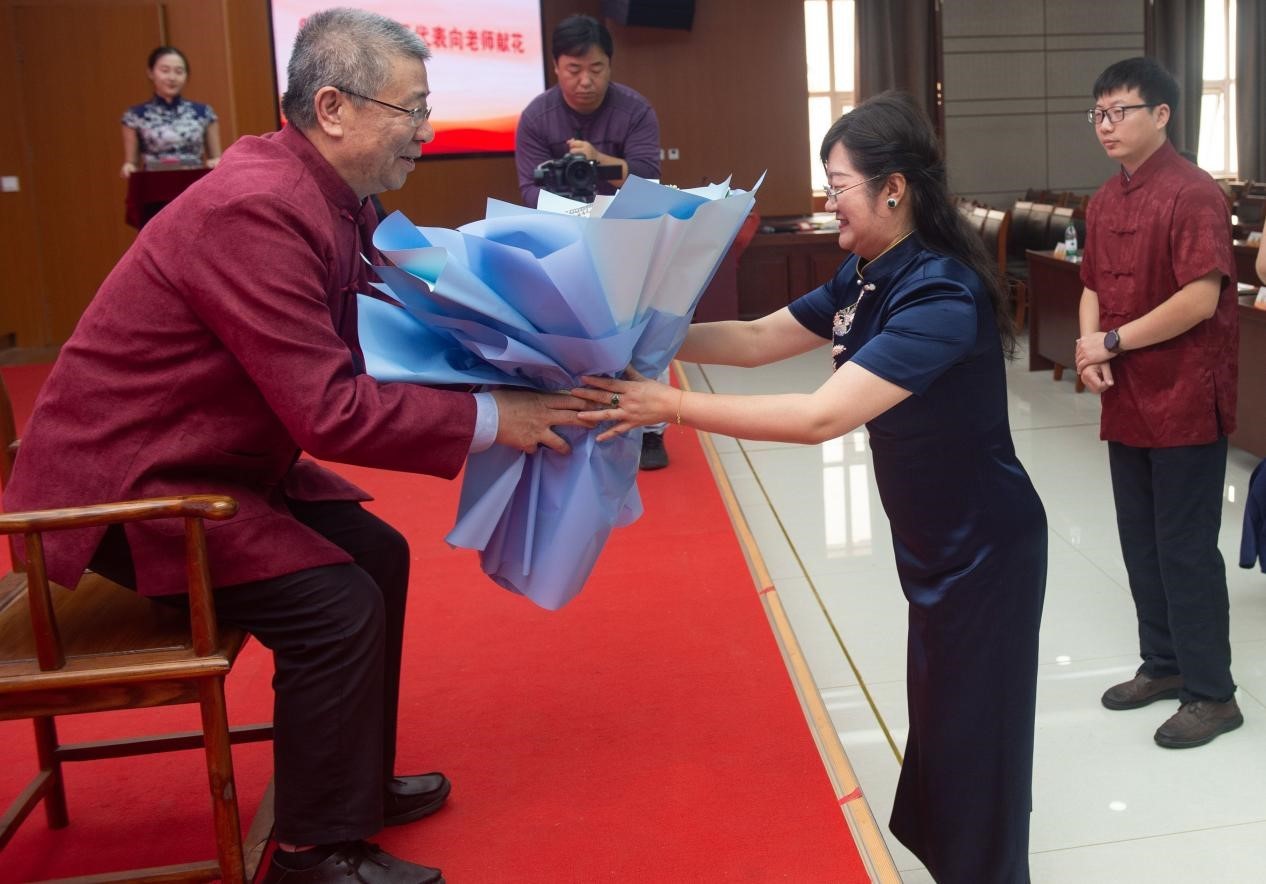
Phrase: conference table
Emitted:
{"points": [[788, 256], [1054, 296]]}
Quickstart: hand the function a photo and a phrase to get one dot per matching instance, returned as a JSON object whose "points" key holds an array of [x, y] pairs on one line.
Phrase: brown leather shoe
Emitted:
{"points": [[1142, 690], [1198, 722]]}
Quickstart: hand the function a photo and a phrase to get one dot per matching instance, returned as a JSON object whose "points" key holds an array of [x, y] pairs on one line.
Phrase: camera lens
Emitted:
{"points": [[580, 175]]}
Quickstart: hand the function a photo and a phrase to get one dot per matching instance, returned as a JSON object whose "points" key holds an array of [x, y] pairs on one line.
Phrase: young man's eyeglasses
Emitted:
{"points": [[1096, 115], [417, 115], [833, 193]]}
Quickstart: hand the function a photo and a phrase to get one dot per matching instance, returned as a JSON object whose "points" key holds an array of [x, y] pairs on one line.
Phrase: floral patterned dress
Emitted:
{"points": [[170, 131]]}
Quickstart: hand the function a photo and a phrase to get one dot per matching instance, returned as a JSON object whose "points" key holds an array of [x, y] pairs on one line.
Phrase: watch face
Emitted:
{"points": [[1111, 341]]}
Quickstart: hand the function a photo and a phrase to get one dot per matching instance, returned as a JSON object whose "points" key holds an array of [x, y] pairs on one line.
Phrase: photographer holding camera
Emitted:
{"points": [[587, 119], [586, 114]]}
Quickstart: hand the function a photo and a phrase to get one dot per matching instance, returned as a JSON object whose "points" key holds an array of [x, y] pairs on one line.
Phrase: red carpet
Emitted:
{"points": [[647, 732]]}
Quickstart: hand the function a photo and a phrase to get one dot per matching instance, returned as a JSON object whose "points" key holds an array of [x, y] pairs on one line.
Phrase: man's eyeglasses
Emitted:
{"points": [[417, 115], [1095, 115], [833, 193]]}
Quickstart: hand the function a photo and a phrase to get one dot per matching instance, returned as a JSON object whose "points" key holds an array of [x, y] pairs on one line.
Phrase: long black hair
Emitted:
{"points": [[889, 133]]}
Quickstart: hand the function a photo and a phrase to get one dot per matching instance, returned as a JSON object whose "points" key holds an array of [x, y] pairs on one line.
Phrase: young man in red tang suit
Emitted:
{"points": [[1159, 342]]}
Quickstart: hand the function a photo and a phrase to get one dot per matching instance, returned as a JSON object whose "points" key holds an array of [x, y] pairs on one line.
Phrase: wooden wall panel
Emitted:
{"points": [[730, 95], [248, 49], [72, 123], [451, 192], [197, 28], [21, 271]]}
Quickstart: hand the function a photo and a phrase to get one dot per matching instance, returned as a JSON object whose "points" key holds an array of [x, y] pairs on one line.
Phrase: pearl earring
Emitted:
{"points": [[892, 202]]}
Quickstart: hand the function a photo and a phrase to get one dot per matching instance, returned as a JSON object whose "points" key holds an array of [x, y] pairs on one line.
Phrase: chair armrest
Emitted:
{"points": [[192, 508], [197, 506]]}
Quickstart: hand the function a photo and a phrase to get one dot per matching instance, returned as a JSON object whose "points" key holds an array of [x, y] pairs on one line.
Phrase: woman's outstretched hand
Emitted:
{"points": [[631, 401]]}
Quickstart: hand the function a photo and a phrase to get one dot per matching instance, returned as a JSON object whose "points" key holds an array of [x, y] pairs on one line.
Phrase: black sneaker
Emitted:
{"points": [[654, 455]]}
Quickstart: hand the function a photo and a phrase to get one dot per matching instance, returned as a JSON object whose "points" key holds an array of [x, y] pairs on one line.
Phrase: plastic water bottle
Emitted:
{"points": [[1070, 243]]}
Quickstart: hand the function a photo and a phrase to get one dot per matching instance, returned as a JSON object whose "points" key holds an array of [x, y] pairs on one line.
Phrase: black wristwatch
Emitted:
{"points": [[1112, 341]]}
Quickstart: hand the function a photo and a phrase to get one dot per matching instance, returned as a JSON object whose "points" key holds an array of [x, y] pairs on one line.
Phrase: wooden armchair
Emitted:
{"points": [[103, 647]]}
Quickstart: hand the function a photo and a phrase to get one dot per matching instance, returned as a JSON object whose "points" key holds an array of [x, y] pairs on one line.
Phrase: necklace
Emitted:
{"points": [[844, 318], [886, 250]]}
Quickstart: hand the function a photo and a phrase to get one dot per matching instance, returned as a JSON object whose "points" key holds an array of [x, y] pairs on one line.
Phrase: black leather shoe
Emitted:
{"points": [[410, 798], [1142, 690], [356, 861]]}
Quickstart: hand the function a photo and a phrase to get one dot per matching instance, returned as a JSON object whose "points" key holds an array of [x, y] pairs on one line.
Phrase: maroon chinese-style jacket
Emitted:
{"points": [[1147, 236], [221, 346]]}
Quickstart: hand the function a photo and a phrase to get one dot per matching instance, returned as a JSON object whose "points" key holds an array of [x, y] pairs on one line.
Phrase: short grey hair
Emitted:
{"points": [[348, 48]]}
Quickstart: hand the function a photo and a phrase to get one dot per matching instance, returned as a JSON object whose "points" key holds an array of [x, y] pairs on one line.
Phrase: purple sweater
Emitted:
{"points": [[625, 127]]}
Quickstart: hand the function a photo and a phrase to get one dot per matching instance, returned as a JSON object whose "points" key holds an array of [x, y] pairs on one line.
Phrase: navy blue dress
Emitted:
{"points": [[970, 538]]}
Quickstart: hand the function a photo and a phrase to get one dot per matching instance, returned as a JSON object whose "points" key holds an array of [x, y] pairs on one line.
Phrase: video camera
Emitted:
{"points": [[573, 176]]}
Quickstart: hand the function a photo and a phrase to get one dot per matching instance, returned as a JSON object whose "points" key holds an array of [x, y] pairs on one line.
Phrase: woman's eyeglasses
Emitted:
{"points": [[833, 193]]}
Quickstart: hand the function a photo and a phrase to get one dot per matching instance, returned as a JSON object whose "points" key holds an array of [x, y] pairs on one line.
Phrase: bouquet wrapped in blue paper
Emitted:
{"points": [[536, 298]]}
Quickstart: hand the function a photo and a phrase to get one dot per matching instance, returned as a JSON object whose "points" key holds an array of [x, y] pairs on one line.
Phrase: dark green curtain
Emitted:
{"points": [[1250, 94], [1176, 40], [896, 49]]}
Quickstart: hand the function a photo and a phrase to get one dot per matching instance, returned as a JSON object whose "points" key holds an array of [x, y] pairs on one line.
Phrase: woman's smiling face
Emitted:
{"points": [[863, 230]]}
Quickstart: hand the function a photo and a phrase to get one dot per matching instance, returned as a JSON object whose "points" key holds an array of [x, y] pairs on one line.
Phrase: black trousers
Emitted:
{"points": [[336, 634], [1169, 512]]}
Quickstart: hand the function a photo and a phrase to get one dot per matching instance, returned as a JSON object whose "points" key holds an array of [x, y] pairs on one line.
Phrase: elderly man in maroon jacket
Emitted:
{"points": [[222, 345]]}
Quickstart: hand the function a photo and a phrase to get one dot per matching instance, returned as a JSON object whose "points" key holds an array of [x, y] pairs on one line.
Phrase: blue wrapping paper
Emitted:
{"points": [[535, 298]]}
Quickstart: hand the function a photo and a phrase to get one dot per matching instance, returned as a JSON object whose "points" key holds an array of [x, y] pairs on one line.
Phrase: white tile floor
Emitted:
{"points": [[1110, 806]]}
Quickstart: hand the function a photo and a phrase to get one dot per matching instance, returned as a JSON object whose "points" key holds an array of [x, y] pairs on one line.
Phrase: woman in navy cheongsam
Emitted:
{"points": [[919, 331]]}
